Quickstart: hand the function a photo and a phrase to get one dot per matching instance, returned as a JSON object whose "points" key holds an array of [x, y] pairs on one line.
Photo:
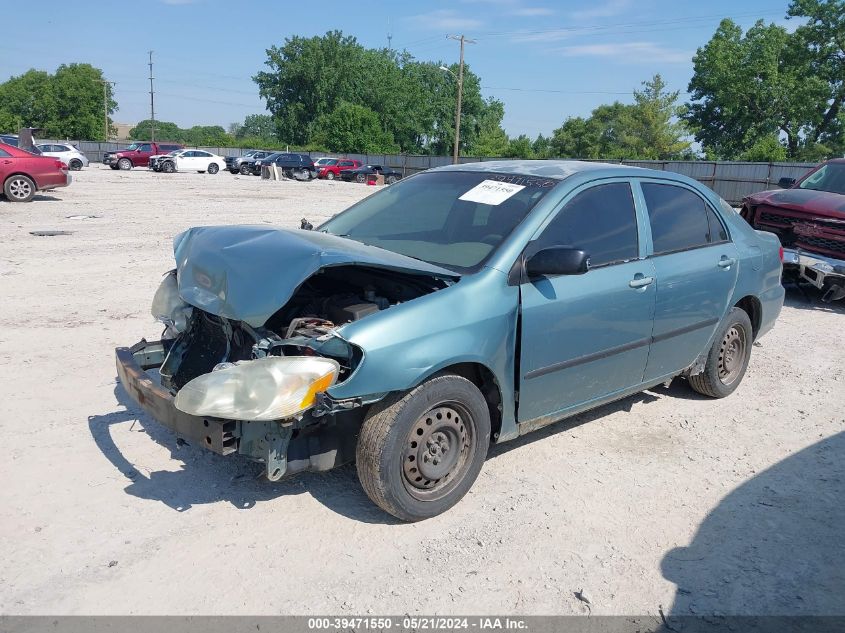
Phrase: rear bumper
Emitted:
{"points": [[54, 181], [825, 273]]}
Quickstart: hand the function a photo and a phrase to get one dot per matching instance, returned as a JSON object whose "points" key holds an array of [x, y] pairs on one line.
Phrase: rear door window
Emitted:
{"points": [[678, 218]]}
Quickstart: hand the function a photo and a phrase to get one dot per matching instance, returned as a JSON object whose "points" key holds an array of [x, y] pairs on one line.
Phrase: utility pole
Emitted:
{"points": [[106, 107], [463, 40], [389, 36], [152, 101]]}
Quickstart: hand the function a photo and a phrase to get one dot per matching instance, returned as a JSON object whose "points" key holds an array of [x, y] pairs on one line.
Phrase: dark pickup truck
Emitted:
{"points": [[138, 154]]}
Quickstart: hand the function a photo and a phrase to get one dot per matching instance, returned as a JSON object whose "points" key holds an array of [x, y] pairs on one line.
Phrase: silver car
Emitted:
{"points": [[70, 155]]}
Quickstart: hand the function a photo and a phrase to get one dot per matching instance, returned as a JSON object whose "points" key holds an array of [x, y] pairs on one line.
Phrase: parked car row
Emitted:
{"points": [[301, 167]]}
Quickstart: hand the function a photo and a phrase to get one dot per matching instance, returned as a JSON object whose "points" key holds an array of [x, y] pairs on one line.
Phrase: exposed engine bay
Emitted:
{"points": [[304, 326]]}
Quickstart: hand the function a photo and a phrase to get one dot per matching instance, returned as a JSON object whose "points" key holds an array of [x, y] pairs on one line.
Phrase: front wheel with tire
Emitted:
{"points": [[419, 452], [19, 188], [245, 170], [168, 167], [728, 357], [391, 180], [213, 168], [124, 164], [75, 164], [330, 175], [362, 178]]}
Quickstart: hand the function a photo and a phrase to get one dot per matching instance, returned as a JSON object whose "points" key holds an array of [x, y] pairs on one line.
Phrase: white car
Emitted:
{"points": [[189, 160], [65, 152]]}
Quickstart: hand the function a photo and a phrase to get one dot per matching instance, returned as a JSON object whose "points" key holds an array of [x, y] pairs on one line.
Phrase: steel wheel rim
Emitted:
{"points": [[732, 355], [20, 188], [438, 451]]}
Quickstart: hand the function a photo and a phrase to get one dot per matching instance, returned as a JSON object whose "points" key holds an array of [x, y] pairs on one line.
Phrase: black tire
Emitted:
{"points": [[727, 359], [390, 180], [245, 170], [19, 188], [75, 164], [330, 175], [125, 164], [451, 419], [362, 178], [213, 168], [168, 167], [233, 171], [115, 167]]}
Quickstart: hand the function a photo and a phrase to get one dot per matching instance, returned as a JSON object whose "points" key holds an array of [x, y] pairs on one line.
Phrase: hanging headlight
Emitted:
{"points": [[168, 306], [270, 388]]}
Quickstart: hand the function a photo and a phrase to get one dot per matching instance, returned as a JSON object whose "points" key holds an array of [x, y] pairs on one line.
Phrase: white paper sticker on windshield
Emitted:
{"points": [[491, 192]]}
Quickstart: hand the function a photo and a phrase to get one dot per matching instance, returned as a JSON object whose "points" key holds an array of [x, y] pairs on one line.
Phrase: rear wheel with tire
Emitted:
{"points": [[168, 167], [390, 180], [728, 357], [75, 164], [213, 168], [124, 164], [19, 188], [362, 178], [419, 452]]}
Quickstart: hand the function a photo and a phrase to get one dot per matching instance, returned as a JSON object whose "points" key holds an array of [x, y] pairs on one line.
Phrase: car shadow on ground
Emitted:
{"points": [[774, 547], [205, 477], [807, 297]]}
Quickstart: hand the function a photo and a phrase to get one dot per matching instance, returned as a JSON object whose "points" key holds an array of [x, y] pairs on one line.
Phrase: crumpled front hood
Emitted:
{"points": [[809, 200], [247, 273]]}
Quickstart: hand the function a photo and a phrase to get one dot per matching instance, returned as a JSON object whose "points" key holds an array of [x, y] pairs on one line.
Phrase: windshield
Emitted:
{"points": [[450, 218], [175, 152], [132, 147], [830, 177]]}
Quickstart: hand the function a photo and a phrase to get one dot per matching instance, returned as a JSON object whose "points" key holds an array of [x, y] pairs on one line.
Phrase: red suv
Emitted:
{"points": [[22, 173], [330, 168]]}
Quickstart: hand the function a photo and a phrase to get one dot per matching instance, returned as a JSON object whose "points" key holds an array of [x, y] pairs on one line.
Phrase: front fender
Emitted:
{"points": [[471, 321]]}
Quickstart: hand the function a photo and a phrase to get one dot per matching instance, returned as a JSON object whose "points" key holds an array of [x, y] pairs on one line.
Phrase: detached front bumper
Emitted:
{"points": [[825, 273], [215, 435], [284, 447]]}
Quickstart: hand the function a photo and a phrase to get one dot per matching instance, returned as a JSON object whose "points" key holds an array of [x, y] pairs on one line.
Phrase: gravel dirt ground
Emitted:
{"points": [[665, 500]]}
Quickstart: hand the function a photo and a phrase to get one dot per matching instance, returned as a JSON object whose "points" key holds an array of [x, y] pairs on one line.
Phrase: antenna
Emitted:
{"points": [[389, 35]]}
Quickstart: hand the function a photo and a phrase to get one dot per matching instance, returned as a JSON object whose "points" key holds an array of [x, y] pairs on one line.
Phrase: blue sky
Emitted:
{"points": [[545, 60]]}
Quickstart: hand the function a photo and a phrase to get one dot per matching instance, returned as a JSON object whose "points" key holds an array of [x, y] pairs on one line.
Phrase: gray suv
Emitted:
{"points": [[244, 164]]}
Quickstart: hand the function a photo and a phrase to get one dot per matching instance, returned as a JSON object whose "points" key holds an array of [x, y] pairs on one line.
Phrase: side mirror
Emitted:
{"points": [[786, 183], [557, 260]]}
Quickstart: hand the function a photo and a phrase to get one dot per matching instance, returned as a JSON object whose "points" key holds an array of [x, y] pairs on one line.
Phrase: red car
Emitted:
{"points": [[138, 154], [330, 168], [809, 217], [22, 173]]}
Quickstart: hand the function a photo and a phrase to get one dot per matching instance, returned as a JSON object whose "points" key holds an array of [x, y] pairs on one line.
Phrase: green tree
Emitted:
{"points": [[520, 147], [541, 147], [256, 126], [164, 131], [767, 149], [352, 128], [651, 128], [67, 104], [767, 81], [414, 101]]}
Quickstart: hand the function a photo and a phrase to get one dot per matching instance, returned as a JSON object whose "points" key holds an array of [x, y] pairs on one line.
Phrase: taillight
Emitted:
{"points": [[60, 165], [780, 254]]}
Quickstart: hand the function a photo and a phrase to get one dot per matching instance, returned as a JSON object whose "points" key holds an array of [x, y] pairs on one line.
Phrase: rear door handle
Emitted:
{"points": [[726, 262], [640, 282]]}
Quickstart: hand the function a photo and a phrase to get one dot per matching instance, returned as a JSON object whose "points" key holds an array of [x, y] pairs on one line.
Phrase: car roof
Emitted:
{"points": [[547, 168]]}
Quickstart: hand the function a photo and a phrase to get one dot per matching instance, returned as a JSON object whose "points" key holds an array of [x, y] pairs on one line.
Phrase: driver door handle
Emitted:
{"points": [[640, 282], [726, 262]]}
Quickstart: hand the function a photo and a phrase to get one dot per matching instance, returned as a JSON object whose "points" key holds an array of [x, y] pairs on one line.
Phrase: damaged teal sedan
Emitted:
{"points": [[464, 306]]}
